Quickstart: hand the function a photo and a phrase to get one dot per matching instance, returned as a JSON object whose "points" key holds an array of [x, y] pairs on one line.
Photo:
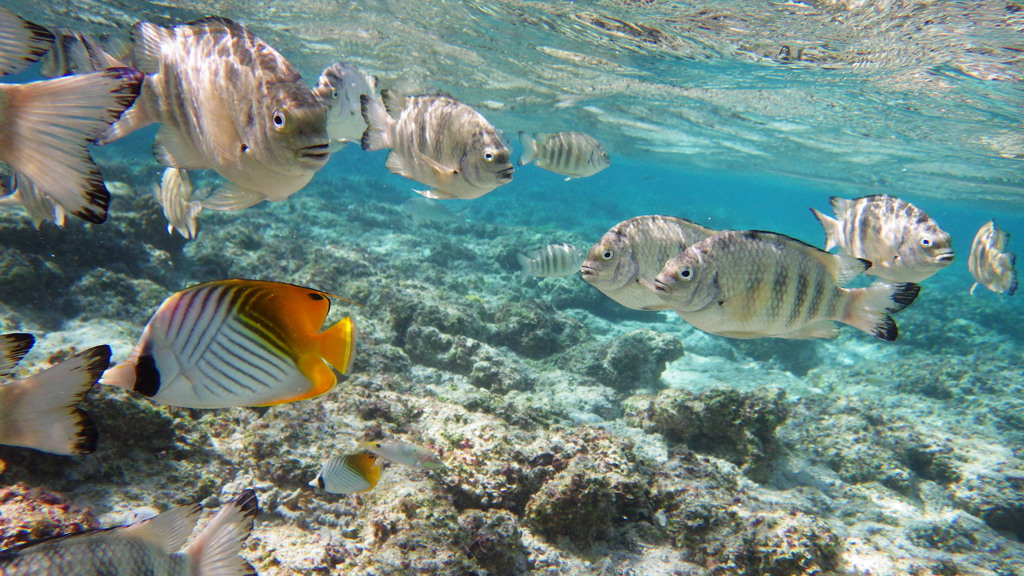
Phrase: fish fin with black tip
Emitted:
{"points": [[21, 42], [217, 549]]}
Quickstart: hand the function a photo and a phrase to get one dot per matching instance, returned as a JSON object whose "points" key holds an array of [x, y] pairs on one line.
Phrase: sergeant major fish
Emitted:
{"points": [[341, 86], [753, 284], [46, 127], [551, 261], [226, 101], [571, 154], [989, 262], [40, 411], [438, 141], [237, 343], [902, 243], [152, 547], [348, 474], [624, 262], [74, 52]]}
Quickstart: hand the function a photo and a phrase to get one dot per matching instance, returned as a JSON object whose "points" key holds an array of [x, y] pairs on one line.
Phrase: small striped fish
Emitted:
{"points": [[39, 411], [625, 261], [989, 263], [237, 343], [174, 195], [348, 474], [902, 243], [152, 547], [753, 284], [551, 261], [571, 154], [341, 86], [438, 141]]}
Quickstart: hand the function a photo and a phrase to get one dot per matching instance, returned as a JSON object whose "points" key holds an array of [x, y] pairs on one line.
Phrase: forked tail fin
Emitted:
{"points": [[215, 552], [869, 308]]}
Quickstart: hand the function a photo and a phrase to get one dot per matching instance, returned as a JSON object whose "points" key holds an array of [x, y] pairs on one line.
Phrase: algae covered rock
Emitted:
{"points": [[633, 360], [535, 329], [28, 514], [730, 424]]}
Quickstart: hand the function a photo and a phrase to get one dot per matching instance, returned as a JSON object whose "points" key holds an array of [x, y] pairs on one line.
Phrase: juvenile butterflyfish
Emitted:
{"points": [[624, 262], [405, 454], [40, 411], [348, 474], [754, 284], [237, 343], [437, 141], [902, 243], [152, 547], [571, 154]]}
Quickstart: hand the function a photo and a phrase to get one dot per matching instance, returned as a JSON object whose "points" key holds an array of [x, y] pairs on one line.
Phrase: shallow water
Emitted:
{"points": [[891, 458]]}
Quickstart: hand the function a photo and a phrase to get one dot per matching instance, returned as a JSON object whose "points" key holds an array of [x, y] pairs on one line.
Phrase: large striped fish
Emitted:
{"points": [[226, 101], [348, 473], [624, 262], [40, 411], [46, 127], [571, 154], [551, 261], [989, 262], [753, 284], [237, 343], [153, 547], [902, 243], [438, 141]]}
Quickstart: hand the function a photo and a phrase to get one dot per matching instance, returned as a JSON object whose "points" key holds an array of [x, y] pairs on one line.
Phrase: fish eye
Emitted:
{"points": [[488, 156], [607, 254], [334, 93], [685, 273], [279, 120], [926, 242]]}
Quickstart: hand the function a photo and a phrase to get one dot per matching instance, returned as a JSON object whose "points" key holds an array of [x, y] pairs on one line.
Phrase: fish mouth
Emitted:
{"points": [[660, 287], [505, 174], [944, 258], [316, 152], [587, 272]]}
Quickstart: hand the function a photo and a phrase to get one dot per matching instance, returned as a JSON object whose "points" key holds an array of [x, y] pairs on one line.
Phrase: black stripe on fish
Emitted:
{"points": [[800, 299], [147, 375]]}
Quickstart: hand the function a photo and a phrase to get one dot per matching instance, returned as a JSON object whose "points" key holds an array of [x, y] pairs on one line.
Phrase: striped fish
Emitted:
{"points": [[438, 141], [989, 263], [237, 343], [174, 195], [348, 474], [551, 261], [152, 547], [74, 52], [902, 243], [753, 284], [341, 86], [571, 154], [625, 261], [39, 411]]}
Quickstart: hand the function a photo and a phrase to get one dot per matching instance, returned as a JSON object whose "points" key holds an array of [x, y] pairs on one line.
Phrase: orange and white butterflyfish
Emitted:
{"points": [[237, 343], [348, 474]]}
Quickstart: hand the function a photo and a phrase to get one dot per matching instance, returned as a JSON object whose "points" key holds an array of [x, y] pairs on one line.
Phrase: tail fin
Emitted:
{"points": [[338, 344], [529, 145], [525, 266], [39, 412], [831, 226], [215, 552], [376, 136], [869, 308], [13, 348], [21, 42], [49, 127]]}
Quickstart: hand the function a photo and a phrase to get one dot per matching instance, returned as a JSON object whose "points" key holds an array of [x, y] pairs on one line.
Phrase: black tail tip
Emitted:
{"points": [[886, 329], [247, 502], [85, 440], [904, 295]]}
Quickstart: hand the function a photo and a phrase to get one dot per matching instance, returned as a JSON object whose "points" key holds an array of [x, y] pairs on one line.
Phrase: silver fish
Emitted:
{"points": [[39, 411], [989, 262], [151, 547], [47, 126], [74, 52], [624, 262], [438, 141], [572, 154], [341, 86], [174, 194], [551, 261], [753, 284], [902, 243], [226, 101], [405, 454]]}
